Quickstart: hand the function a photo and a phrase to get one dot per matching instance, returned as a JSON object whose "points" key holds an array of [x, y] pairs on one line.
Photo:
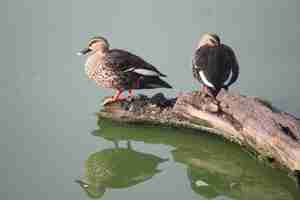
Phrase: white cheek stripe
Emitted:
{"points": [[144, 72], [204, 79]]}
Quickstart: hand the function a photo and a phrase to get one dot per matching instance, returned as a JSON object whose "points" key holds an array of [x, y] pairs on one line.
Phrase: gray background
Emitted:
{"points": [[47, 103]]}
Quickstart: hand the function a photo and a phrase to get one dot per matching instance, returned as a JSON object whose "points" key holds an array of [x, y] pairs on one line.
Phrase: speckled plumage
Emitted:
{"points": [[115, 69], [119, 69]]}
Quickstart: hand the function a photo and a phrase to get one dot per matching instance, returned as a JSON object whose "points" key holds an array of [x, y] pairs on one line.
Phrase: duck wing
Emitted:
{"points": [[200, 60], [231, 62], [203, 67], [213, 65], [129, 63]]}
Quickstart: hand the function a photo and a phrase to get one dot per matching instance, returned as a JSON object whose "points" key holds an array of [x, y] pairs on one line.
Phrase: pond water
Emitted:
{"points": [[176, 164], [51, 142]]}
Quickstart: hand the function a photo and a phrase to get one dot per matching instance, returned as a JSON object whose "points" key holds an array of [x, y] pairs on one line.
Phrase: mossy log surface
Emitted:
{"points": [[249, 121]]}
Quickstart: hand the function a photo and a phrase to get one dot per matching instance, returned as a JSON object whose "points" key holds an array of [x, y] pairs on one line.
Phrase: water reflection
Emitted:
{"points": [[212, 174], [215, 168], [117, 168]]}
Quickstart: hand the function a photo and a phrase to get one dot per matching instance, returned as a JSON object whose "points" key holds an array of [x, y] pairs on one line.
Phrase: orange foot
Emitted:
{"points": [[111, 100], [208, 91], [115, 98]]}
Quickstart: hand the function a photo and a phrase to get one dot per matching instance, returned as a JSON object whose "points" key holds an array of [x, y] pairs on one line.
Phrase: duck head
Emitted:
{"points": [[95, 44], [209, 39]]}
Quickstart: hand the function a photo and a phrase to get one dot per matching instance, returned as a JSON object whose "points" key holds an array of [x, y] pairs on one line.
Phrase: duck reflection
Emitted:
{"points": [[215, 168], [217, 175], [114, 168]]}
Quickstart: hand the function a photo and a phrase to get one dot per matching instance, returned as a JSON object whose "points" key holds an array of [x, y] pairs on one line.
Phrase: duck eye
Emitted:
{"points": [[92, 42]]}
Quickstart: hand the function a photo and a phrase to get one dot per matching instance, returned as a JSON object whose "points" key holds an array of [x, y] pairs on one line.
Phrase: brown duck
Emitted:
{"points": [[119, 69]]}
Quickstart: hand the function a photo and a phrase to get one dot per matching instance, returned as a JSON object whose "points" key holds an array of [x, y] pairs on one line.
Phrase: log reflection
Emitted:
{"points": [[214, 167]]}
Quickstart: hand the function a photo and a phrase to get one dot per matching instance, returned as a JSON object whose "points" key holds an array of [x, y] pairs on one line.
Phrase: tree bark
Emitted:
{"points": [[249, 121]]}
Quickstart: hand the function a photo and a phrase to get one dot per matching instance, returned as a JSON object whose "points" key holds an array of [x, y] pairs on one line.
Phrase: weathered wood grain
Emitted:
{"points": [[249, 121]]}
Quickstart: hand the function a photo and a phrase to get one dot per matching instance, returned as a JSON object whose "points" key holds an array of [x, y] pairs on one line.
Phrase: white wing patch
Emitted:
{"points": [[145, 72], [130, 69], [205, 81], [229, 78], [154, 85]]}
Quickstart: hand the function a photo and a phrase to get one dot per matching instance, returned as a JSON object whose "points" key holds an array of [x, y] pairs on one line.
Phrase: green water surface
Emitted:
{"points": [[209, 167]]}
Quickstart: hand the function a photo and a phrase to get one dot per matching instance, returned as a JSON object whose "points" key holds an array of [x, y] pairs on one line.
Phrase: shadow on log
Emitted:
{"points": [[249, 121]]}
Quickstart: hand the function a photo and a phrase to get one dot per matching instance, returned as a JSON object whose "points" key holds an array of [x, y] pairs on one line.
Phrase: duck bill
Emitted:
{"points": [[81, 183], [84, 51]]}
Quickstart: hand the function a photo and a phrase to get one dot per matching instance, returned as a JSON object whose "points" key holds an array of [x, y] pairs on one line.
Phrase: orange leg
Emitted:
{"points": [[208, 91], [130, 93], [116, 97], [135, 85], [205, 89]]}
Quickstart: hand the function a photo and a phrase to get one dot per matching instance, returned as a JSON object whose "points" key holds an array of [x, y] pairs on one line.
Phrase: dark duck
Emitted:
{"points": [[214, 64], [119, 69]]}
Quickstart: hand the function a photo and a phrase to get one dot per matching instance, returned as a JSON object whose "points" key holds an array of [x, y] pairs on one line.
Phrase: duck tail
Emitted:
{"points": [[151, 82]]}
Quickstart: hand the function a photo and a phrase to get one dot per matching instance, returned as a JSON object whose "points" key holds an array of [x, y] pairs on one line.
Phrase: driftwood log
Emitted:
{"points": [[249, 121]]}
